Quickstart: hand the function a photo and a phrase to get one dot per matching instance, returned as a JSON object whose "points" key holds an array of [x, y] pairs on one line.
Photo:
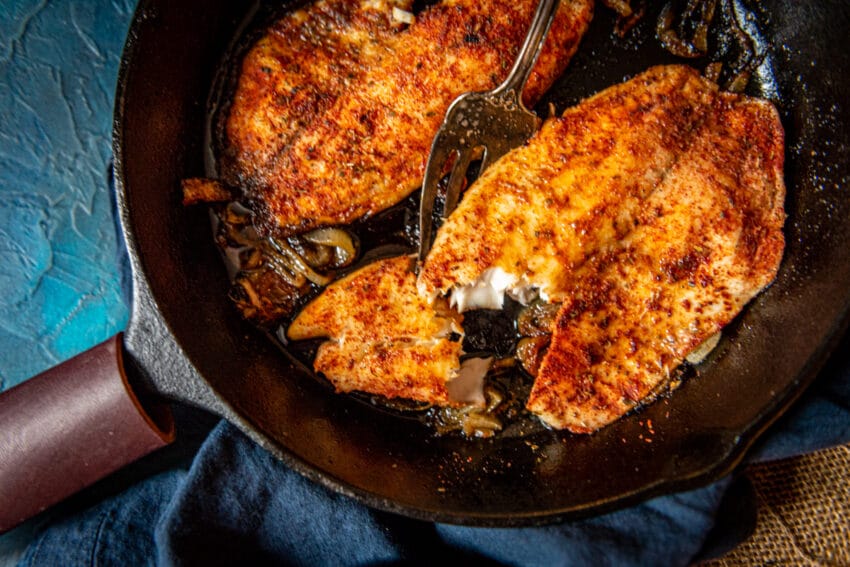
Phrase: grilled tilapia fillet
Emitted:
{"points": [[706, 240], [384, 338], [368, 149], [296, 71], [574, 189]]}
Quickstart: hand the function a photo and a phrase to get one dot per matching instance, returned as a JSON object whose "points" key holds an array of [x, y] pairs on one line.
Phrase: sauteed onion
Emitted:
{"points": [[628, 15], [688, 33], [270, 275]]}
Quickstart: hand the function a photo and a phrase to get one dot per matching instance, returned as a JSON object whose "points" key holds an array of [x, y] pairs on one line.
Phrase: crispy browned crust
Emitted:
{"points": [[365, 150], [574, 188], [707, 239], [202, 190], [411, 370], [383, 337], [296, 71]]}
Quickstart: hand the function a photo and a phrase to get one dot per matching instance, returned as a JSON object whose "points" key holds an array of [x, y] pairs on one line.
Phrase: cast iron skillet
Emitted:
{"points": [[189, 344], [701, 432]]}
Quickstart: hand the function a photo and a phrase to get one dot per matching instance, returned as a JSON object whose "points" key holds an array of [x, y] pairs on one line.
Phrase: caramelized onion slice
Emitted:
{"points": [[536, 319], [704, 349], [472, 421], [670, 38], [627, 15], [468, 386], [336, 238], [284, 254], [530, 352]]}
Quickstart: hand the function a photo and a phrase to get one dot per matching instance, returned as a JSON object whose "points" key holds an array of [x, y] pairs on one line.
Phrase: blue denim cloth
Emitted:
{"points": [[217, 498], [238, 505]]}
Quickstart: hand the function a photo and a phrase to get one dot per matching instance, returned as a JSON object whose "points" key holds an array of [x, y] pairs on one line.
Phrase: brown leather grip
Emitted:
{"points": [[69, 427]]}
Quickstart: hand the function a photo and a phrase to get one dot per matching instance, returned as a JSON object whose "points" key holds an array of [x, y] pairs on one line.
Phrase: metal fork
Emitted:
{"points": [[495, 120]]}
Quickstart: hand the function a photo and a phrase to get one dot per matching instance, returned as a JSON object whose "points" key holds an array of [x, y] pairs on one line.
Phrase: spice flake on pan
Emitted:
{"points": [[367, 149]]}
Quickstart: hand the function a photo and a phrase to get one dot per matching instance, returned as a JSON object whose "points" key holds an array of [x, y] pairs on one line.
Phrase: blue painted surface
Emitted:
{"points": [[60, 287]]}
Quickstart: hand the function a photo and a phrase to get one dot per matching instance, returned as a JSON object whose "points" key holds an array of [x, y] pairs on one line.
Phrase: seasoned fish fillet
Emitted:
{"points": [[295, 72], [574, 189], [705, 241], [367, 149], [384, 338]]}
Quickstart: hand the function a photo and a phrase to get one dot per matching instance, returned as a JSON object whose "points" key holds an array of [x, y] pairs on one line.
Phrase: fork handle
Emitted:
{"points": [[530, 50]]}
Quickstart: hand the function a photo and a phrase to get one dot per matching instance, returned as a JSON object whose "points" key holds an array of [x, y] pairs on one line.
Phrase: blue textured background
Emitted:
{"points": [[59, 260]]}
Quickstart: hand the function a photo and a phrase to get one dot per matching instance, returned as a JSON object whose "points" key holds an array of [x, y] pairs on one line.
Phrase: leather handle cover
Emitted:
{"points": [[69, 427]]}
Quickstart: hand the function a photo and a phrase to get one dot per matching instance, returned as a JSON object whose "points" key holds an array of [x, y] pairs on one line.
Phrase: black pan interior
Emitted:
{"points": [[766, 358]]}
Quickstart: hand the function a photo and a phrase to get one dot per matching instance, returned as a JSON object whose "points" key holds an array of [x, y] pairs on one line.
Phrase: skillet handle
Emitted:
{"points": [[69, 427]]}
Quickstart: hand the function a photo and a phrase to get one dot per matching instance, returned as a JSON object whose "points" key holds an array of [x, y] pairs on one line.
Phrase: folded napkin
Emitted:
{"points": [[216, 497]]}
